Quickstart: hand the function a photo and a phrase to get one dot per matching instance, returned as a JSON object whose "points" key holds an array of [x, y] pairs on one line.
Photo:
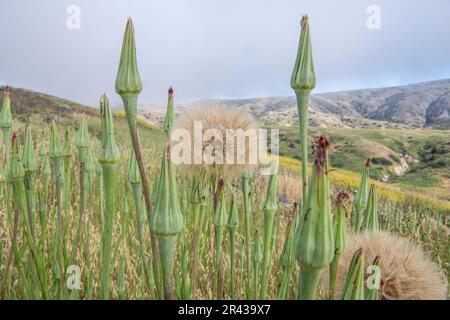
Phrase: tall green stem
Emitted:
{"points": [[302, 106], [130, 103], [109, 182], [247, 213]]}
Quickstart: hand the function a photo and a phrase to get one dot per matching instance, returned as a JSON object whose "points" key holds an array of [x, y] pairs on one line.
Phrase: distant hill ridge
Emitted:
{"points": [[420, 105]]}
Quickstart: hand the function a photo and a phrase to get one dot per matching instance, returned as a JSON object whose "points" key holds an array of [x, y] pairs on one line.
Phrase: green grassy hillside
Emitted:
{"points": [[416, 160]]}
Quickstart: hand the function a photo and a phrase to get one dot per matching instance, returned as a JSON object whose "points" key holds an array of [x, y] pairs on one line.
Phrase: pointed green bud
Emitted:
{"points": [[314, 239], [67, 146], [134, 175], [82, 138], [233, 220], [109, 151], [373, 281], [257, 253], [128, 80], [42, 152], [371, 213], [168, 120], [28, 156], [303, 75], [360, 199], [271, 203], [167, 219], [195, 195], [354, 281], [221, 214], [55, 150], [16, 169], [5, 113], [340, 229], [45, 168]]}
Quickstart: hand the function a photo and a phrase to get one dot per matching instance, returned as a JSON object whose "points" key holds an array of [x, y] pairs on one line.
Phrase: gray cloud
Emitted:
{"points": [[212, 49]]}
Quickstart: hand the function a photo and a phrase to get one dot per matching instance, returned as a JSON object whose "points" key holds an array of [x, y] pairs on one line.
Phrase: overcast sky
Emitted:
{"points": [[220, 48]]}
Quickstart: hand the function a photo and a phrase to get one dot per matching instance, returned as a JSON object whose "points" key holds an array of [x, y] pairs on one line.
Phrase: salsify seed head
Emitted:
{"points": [[200, 125]]}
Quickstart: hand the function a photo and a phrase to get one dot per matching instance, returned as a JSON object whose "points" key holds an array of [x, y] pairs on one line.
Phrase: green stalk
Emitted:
{"points": [[270, 209], [248, 217], [56, 154], [340, 238], [302, 106], [220, 222], [256, 259], [109, 158], [197, 201], [135, 180], [233, 224]]}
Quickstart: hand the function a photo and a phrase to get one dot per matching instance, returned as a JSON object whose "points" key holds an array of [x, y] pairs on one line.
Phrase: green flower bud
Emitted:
{"points": [[167, 219], [196, 193], [128, 80], [371, 214], [360, 199], [168, 120], [55, 150], [340, 230], [354, 281], [67, 146], [257, 253], [221, 215], [5, 113], [82, 138], [134, 176], [28, 156], [271, 203], [46, 169], [16, 168], [42, 152], [303, 75], [314, 241], [233, 220], [109, 151]]}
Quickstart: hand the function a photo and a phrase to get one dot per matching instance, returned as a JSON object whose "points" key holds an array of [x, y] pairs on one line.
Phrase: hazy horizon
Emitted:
{"points": [[222, 49]]}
